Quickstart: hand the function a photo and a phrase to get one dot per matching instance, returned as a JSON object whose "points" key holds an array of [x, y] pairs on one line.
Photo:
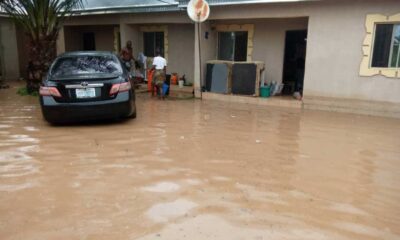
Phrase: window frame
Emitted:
{"points": [[397, 65], [154, 38], [395, 25], [249, 28], [234, 45], [366, 69], [157, 28]]}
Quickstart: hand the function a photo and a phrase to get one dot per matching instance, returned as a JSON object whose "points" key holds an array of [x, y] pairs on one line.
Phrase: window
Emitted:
{"points": [[153, 41], [232, 46], [386, 51], [380, 47], [77, 65]]}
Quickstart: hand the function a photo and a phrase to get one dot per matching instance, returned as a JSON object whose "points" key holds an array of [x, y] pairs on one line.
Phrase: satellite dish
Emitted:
{"points": [[198, 10]]}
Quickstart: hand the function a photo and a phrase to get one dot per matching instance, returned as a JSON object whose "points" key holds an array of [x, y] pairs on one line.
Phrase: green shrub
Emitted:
{"points": [[23, 91]]}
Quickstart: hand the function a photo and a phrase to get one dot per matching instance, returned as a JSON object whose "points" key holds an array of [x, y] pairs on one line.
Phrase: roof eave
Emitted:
{"points": [[245, 2], [138, 8]]}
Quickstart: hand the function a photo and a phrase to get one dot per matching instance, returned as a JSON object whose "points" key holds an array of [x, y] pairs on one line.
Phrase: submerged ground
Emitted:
{"points": [[199, 170]]}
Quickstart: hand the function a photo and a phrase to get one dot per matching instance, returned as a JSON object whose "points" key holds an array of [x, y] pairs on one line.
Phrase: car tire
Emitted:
{"points": [[133, 115]]}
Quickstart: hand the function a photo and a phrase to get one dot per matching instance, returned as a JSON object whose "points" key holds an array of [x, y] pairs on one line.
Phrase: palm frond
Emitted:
{"points": [[40, 18]]}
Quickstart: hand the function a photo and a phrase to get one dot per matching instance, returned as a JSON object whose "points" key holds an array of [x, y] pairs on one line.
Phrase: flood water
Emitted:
{"points": [[199, 170]]}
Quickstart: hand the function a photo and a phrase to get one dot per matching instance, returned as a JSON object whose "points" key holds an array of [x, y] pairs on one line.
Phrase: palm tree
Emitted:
{"points": [[41, 21]]}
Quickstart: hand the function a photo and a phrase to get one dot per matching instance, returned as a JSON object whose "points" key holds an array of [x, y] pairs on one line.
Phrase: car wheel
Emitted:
{"points": [[133, 115]]}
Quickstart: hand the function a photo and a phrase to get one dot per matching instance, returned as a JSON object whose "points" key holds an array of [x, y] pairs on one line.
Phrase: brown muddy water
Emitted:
{"points": [[199, 170]]}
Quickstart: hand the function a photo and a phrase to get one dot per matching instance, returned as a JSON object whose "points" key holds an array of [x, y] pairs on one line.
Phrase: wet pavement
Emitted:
{"points": [[199, 170]]}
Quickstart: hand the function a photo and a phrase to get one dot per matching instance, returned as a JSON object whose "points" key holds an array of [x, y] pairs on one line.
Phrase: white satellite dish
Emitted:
{"points": [[198, 10]]}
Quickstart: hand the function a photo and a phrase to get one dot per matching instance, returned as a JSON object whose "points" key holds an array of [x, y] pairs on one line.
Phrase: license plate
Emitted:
{"points": [[85, 93]]}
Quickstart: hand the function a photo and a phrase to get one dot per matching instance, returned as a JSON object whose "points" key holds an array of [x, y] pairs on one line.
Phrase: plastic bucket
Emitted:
{"points": [[174, 79], [181, 83], [265, 91], [165, 88]]}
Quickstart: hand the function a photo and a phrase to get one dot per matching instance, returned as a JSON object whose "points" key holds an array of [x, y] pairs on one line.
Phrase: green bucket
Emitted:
{"points": [[265, 91]]}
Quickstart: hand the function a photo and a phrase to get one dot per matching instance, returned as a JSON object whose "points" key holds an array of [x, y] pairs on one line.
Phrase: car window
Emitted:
{"points": [[78, 65]]}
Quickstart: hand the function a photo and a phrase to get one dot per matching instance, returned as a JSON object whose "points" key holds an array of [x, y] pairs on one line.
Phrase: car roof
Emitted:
{"points": [[87, 53]]}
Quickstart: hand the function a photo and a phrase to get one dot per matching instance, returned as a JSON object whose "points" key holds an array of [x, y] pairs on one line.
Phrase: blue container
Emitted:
{"points": [[165, 88]]}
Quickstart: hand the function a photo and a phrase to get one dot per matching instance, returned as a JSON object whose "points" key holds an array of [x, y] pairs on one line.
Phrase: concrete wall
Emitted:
{"points": [[131, 32], [180, 46], [181, 50], [9, 50], [268, 42], [104, 37], [336, 32]]}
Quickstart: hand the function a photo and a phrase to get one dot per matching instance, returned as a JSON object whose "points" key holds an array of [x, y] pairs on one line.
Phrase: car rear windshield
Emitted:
{"points": [[81, 65]]}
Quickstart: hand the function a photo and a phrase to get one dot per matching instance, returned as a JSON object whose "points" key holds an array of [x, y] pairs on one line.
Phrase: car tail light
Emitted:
{"points": [[120, 87], [49, 91]]}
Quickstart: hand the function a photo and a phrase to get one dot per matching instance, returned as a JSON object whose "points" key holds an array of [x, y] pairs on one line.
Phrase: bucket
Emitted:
{"points": [[165, 88], [181, 83], [174, 79], [265, 91]]}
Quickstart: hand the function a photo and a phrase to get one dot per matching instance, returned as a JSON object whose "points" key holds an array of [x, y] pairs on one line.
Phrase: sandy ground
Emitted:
{"points": [[199, 170]]}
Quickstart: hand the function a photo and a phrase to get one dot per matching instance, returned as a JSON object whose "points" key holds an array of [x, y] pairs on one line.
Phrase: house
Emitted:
{"points": [[349, 51]]}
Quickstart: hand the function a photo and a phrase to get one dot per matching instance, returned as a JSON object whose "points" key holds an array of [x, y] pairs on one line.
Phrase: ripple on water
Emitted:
{"points": [[367, 231], [164, 212], [31, 129], [16, 164], [215, 227], [16, 187], [20, 117], [22, 139], [31, 148], [348, 208], [192, 181], [221, 179], [162, 187]]}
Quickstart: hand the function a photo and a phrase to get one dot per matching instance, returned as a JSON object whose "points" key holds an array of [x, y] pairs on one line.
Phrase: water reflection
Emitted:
{"points": [[199, 170]]}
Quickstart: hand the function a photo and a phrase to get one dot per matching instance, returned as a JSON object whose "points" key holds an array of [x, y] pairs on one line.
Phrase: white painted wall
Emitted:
{"points": [[104, 37], [336, 32], [8, 46], [180, 48], [269, 43], [130, 32]]}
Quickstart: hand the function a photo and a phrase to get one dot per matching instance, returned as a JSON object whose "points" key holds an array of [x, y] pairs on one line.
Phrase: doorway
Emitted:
{"points": [[89, 42], [294, 61]]}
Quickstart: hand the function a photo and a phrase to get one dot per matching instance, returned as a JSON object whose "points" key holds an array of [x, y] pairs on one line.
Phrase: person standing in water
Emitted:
{"points": [[160, 72], [127, 56]]}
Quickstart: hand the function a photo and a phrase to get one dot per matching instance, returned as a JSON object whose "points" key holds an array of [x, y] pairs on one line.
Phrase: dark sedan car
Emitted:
{"points": [[84, 86]]}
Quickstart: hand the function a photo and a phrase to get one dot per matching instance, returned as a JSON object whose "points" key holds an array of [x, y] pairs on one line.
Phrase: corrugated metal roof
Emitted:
{"points": [[121, 6], [134, 6], [117, 6], [96, 4], [183, 3]]}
